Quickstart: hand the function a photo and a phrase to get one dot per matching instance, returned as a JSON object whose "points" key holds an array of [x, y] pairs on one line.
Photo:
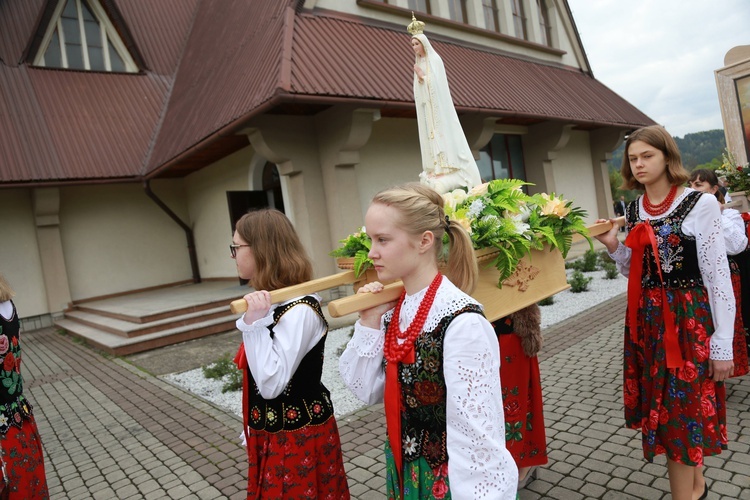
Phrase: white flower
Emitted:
{"points": [[475, 208], [3, 420], [410, 444], [479, 190], [454, 198]]}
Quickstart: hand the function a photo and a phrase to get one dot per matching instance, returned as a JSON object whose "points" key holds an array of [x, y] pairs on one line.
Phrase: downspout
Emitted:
{"points": [[185, 227]]}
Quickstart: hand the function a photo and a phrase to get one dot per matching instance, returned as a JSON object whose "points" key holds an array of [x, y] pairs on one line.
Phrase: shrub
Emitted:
{"points": [[578, 282], [548, 301], [224, 369], [604, 257], [589, 261], [611, 271]]}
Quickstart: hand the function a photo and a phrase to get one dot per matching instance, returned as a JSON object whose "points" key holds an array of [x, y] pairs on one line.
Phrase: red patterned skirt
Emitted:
{"points": [[24, 462], [680, 412], [301, 464], [739, 345], [521, 384]]}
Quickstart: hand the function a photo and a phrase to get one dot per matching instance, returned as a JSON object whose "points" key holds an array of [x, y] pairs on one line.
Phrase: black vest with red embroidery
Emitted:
{"points": [[14, 408], [678, 252], [305, 400], [423, 391]]}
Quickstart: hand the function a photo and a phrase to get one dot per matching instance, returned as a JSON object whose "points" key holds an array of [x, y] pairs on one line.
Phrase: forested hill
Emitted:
{"points": [[697, 148]]}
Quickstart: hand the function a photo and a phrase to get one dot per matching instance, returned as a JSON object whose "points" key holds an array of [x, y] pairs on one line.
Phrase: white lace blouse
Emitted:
{"points": [[735, 237], [480, 466], [704, 223], [273, 361]]}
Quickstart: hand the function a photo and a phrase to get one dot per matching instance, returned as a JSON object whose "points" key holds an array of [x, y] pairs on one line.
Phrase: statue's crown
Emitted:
{"points": [[415, 27]]}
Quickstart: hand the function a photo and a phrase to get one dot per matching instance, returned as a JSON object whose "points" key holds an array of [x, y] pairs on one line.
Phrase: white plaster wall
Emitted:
{"points": [[392, 156], [115, 238], [209, 210], [19, 252], [574, 175]]}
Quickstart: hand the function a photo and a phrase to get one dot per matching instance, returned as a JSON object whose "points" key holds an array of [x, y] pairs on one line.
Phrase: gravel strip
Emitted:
{"points": [[566, 304]]}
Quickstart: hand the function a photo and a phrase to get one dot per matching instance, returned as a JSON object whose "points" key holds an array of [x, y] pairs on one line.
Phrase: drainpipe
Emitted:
{"points": [[185, 227]]}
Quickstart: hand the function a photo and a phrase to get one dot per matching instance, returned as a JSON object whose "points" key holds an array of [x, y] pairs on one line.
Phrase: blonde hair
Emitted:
{"points": [[657, 137], [280, 258], [6, 292], [421, 210]]}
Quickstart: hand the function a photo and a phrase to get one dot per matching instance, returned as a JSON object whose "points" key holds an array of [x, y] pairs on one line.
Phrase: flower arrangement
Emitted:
{"points": [[738, 176], [497, 215]]}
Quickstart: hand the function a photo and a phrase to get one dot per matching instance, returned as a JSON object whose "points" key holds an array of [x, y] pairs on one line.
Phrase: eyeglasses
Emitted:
{"points": [[233, 249]]}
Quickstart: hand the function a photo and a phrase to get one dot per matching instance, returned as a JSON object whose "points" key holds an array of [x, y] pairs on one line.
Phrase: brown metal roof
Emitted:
{"points": [[211, 65]]}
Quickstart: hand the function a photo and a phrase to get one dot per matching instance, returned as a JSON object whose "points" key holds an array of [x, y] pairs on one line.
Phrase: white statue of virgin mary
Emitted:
{"points": [[447, 161]]}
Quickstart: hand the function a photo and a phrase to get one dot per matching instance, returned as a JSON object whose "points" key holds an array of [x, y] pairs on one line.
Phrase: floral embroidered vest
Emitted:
{"points": [[14, 407], [678, 252], [305, 400], [423, 425]]}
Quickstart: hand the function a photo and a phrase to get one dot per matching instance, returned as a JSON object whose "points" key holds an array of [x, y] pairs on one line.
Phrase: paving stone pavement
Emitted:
{"points": [[110, 430]]}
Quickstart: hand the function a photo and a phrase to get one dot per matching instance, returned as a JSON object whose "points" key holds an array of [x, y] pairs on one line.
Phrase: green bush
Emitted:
{"points": [[611, 271], [589, 261], [548, 301], [578, 282], [224, 369], [604, 257]]}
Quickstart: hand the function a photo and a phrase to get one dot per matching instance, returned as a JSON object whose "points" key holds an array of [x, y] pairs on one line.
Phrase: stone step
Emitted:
{"points": [[130, 329], [118, 345]]}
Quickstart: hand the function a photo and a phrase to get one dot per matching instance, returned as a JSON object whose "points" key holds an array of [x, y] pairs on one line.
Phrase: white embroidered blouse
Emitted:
{"points": [[480, 466], [735, 237], [273, 361], [704, 223]]}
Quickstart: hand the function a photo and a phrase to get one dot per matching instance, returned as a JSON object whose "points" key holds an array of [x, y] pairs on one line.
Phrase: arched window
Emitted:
{"points": [[545, 27], [272, 186], [519, 19]]}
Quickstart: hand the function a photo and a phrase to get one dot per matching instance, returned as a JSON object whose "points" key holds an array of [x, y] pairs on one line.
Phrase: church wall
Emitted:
{"points": [[574, 178], [116, 239]]}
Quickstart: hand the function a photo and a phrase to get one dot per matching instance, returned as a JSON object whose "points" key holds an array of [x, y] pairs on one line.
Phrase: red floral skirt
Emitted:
{"points": [[24, 462], [521, 384], [301, 464], [680, 412], [739, 345]]}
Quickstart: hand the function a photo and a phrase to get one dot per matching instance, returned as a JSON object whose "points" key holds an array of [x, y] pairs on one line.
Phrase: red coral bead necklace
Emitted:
{"points": [[395, 352], [659, 208]]}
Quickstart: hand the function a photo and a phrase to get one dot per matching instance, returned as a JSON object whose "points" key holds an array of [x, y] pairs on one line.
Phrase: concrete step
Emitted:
{"points": [[130, 329], [164, 313], [118, 345]]}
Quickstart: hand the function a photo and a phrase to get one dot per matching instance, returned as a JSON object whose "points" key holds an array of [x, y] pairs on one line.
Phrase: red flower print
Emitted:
{"points": [[439, 489], [512, 408], [654, 370], [659, 449], [653, 420], [630, 401], [688, 372], [689, 297], [10, 362], [428, 392], [291, 414], [4, 344], [17, 417], [707, 407], [255, 414], [696, 455], [708, 388], [701, 352], [673, 239], [723, 433], [414, 475], [690, 324], [317, 409], [700, 331], [663, 415]]}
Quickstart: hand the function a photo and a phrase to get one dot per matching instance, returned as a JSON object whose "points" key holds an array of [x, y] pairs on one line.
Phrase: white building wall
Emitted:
{"points": [[115, 238], [19, 252], [574, 177], [209, 210]]}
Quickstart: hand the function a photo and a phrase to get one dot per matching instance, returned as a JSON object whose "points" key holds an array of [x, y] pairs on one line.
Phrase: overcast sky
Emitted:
{"points": [[660, 55]]}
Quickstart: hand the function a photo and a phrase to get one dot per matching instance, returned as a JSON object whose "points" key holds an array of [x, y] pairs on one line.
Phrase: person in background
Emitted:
{"points": [[620, 207], [520, 338], [20, 445], [735, 239], [292, 440], [679, 324], [433, 358], [724, 189]]}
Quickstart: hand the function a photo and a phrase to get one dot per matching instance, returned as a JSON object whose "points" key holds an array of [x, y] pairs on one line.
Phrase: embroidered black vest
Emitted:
{"points": [[305, 400], [678, 252], [423, 425], [14, 408]]}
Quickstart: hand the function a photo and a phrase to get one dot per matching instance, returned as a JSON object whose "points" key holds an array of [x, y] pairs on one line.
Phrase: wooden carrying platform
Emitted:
{"points": [[539, 275]]}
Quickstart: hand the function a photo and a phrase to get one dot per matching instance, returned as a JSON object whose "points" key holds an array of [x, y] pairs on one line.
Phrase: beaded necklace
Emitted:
{"points": [[661, 207], [395, 352]]}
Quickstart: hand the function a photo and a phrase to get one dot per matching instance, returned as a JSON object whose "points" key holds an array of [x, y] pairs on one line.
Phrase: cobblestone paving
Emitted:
{"points": [[112, 431]]}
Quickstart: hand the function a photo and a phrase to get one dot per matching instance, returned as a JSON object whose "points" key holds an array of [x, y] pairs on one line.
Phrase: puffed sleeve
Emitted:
{"points": [[361, 364], [621, 256], [479, 465], [733, 226], [273, 361], [704, 223]]}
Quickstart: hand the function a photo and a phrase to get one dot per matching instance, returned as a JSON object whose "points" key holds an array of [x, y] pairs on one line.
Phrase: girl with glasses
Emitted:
{"points": [[290, 432]]}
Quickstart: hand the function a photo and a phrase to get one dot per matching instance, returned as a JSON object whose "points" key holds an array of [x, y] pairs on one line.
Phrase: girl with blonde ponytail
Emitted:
{"points": [[431, 356]]}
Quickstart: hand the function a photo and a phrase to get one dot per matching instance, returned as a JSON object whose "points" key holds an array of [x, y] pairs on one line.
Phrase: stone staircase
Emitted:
{"points": [[156, 318]]}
